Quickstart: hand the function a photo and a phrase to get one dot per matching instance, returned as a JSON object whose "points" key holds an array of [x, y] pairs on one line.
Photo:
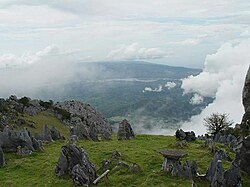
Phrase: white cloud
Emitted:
{"points": [[222, 78], [196, 99], [187, 42], [28, 58], [134, 52], [149, 89], [170, 85]]}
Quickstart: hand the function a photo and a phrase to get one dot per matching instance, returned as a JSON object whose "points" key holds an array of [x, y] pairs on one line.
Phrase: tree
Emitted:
{"points": [[217, 123]]}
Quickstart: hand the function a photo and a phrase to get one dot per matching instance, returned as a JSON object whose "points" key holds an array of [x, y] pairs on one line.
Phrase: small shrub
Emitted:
{"points": [[46, 104], [24, 101], [65, 114]]}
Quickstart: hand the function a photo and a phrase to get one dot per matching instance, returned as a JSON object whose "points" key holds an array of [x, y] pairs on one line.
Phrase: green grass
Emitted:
{"points": [[37, 169], [45, 118]]}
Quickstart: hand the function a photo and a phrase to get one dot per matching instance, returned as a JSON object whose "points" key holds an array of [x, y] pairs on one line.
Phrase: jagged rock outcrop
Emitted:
{"points": [[243, 154], [33, 108], [212, 167], [10, 140], [74, 161], [220, 178], [55, 134], [125, 131], [232, 176], [46, 134], [86, 122], [188, 136], [227, 139], [2, 159], [245, 123]]}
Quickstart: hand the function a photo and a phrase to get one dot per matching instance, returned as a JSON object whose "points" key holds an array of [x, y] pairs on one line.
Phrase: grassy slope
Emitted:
{"points": [[37, 169]]}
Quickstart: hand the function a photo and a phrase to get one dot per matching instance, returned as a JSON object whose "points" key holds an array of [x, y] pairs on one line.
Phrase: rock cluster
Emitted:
{"points": [[49, 135], [11, 139], [227, 139], [74, 161], [117, 163], [243, 154], [85, 121], [125, 131], [220, 178], [188, 136]]}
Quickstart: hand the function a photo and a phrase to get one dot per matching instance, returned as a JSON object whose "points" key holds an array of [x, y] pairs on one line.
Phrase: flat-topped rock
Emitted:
{"points": [[173, 154]]}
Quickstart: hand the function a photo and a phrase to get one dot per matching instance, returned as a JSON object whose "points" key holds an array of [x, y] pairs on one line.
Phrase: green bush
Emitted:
{"points": [[46, 104], [65, 114], [24, 101]]}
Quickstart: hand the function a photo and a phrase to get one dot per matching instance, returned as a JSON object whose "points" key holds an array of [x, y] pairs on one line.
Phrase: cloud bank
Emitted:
{"points": [[135, 52], [47, 69], [223, 79]]}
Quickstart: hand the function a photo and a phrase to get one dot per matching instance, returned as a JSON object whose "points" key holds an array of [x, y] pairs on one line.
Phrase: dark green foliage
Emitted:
{"points": [[64, 113], [233, 131], [24, 101], [3, 106], [46, 104], [217, 123]]}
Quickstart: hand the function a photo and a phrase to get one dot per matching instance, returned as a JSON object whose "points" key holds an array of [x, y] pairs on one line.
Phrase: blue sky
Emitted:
{"points": [[180, 33]]}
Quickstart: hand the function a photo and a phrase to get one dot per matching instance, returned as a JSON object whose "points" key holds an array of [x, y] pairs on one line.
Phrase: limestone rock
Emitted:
{"points": [[188, 136], [125, 131], [218, 178], [46, 134], [55, 134], [212, 167], [232, 176], [86, 122], [10, 140], [79, 176], [243, 155], [69, 158], [245, 123], [2, 159], [33, 108]]}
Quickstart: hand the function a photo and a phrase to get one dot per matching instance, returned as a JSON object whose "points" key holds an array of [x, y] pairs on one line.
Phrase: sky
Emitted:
{"points": [[40, 40], [179, 33]]}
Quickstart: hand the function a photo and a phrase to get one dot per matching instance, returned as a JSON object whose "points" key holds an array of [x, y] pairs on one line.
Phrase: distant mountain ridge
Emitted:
{"points": [[141, 70]]}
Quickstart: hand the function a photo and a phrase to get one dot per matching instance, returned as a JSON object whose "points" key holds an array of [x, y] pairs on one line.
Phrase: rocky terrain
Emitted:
{"points": [[51, 135]]}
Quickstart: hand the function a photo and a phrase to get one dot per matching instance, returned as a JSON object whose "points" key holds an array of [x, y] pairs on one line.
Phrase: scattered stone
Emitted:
{"points": [[2, 159], [73, 139], [188, 136], [79, 176], [125, 131], [116, 155], [105, 165], [181, 144], [55, 134], [46, 134], [23, 151], [74, 161], [134, 168]]}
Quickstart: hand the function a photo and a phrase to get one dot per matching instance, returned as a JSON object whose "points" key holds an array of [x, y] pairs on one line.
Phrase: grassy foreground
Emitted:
{"points": [[37, 169]]}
